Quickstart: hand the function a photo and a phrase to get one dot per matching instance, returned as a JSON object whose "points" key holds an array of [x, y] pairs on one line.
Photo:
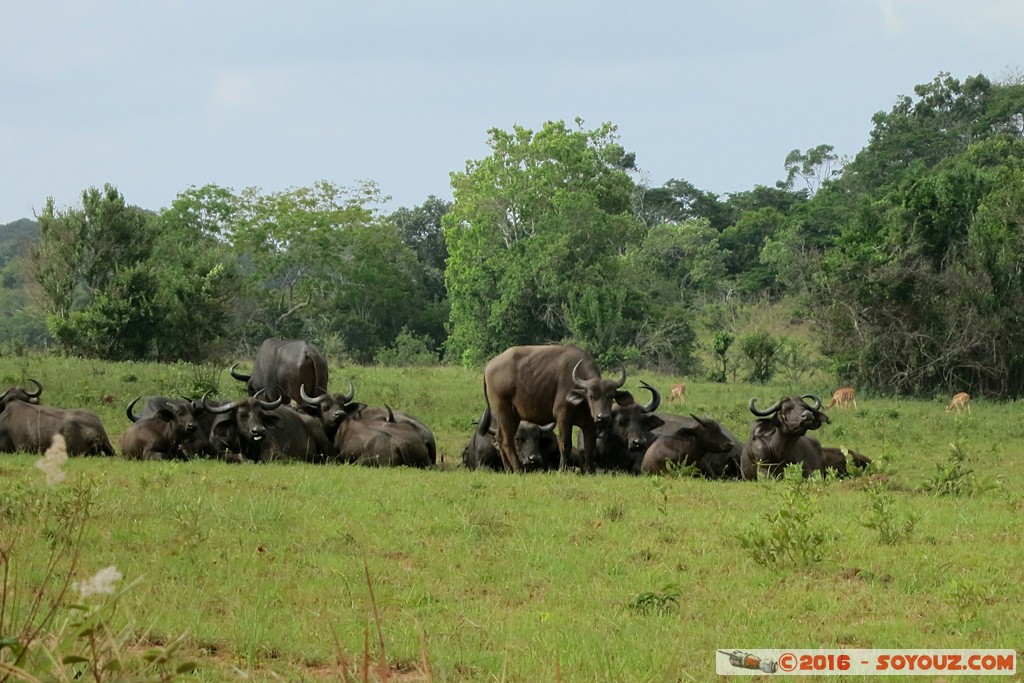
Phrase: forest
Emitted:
{"points": [[903, 265]]}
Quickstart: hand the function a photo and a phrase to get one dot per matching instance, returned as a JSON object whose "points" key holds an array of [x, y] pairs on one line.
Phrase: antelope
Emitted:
{"points": [[843, 397], [961, 402], [678, 394]]}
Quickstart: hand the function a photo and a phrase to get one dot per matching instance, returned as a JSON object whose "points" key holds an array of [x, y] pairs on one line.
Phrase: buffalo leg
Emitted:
{"points": [[506, 442]]}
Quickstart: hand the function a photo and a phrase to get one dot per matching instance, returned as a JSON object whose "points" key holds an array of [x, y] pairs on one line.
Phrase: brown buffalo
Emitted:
{"points": [[689, 445], [254, 429], [158, 435], [381, 443], [20, 394], [29, 428], [542, 384], [622, 443], [835, 459], [778, 438], [284, 366], [536, 446]]}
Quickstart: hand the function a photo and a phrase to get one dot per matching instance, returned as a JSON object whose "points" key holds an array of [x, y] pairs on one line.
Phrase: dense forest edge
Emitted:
{"points": [[898, 270]]}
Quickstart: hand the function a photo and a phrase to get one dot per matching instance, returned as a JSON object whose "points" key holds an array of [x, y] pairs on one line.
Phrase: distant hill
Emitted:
{"points": [[14, 236]]}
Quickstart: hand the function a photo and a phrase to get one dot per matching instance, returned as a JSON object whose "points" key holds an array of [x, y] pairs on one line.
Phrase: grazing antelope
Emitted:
{"points": [[678, 394], [843, 397], [961, 402]]}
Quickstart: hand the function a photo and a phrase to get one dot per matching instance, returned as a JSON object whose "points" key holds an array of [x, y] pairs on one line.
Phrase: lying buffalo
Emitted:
{"points": [[29, 428], [536, 446], [693, 445], [622, 443], [778, 438], [381, 443], [332, 408], [835, 459], [716, 465], [21, 394], [284, 366], [160, 433], [542, 384], [258, 430]]}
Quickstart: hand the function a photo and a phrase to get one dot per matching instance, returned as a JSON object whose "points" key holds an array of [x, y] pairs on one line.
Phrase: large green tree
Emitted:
{"points": [[536, 242]]}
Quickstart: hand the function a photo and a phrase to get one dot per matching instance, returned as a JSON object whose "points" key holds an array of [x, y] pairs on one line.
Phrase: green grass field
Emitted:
{"points": [[486, 577]]}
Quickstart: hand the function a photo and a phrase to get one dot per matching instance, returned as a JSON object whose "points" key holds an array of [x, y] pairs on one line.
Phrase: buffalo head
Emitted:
{"points": [[793, 415], [20, 394], [599, 394]]}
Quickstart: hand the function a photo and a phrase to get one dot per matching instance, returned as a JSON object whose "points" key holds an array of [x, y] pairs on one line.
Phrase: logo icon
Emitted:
{"points": [[745, 660]]}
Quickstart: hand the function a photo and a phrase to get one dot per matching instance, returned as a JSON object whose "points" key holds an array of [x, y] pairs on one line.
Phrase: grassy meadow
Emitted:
{"points": [[275, 572]]}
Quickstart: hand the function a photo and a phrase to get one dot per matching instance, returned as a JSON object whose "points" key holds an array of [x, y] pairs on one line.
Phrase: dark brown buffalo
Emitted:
{"points": [[622, 444], [834, 459], [283, 366], [29, 428], [714, 464], [536, 446], [690, 445], [542, 384], [160, 432], [258, 430], [381, 443], [778, 438], [20, 394]]}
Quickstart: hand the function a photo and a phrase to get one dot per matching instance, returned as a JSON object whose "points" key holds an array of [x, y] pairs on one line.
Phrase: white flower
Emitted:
{"points": [[103, 583], [53, 460]]}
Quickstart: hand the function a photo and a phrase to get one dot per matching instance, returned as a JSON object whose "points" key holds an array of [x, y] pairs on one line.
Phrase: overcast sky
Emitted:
{"points": [[158, 95]]}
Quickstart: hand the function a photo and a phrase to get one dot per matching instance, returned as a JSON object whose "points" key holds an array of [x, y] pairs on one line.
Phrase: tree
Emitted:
{"points": [[816, 166], [536, 239], [89, 266]]}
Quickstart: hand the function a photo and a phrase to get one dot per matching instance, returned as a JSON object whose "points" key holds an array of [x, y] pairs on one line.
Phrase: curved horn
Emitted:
{"points": [[817, 401], [237, 375], [622, 376], [548, 428], [4, 395], [128, 411], [347, 398], [39, 389], [391, 413], [484, 425], [269, 405], [575, 378], [311, 400], [655, 398], [774, 408], [218, 410]]}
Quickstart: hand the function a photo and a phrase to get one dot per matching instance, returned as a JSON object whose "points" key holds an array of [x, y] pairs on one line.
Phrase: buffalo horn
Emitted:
{"points": [[237, 375], [39, 389], [548, 428], [622, 377], [311, 400], [655, 398], [269, 405], [767, 411], [347, 398], [575, 378], [484, 425], [817, 401], [131, 416], [218, 410]]}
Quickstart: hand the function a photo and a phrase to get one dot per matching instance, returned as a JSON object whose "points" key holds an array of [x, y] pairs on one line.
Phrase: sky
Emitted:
{"points": [[154, 97]]}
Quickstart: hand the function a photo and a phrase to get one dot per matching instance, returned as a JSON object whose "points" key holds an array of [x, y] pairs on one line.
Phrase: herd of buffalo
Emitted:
{"points": [[534, 396]]}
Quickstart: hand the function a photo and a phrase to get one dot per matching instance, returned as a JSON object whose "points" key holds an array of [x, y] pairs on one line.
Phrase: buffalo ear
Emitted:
{"points": [[762, 429], [165, 414], [576, 397], [652, 421], [624, 398], [271, 419], [352, 408]]}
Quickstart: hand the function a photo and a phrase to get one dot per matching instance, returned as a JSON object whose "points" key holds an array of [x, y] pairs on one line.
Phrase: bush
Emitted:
{"points": [[409, 350]]}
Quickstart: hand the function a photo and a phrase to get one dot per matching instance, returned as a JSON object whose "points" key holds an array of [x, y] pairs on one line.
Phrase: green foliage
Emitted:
{"points": [[409, 350], [791, 535], [722, 344], [665, 601], [535, 241], [955, 477], [892, 525], [760, 348]]}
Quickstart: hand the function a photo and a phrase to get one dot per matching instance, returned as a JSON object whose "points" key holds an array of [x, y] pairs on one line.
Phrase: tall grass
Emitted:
{"points": [[482, 577]]}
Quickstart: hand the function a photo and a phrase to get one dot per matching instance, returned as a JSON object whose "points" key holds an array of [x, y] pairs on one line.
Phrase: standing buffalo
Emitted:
{"points": [[29, 428], [381, 443], [160, 432], [693, 445], [283, 366], [536, 446], [20, 394], [543, 384], [778, 438]]}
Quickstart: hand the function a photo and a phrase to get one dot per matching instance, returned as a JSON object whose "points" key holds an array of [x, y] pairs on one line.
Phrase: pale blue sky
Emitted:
{"points": [[158, 95]]}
